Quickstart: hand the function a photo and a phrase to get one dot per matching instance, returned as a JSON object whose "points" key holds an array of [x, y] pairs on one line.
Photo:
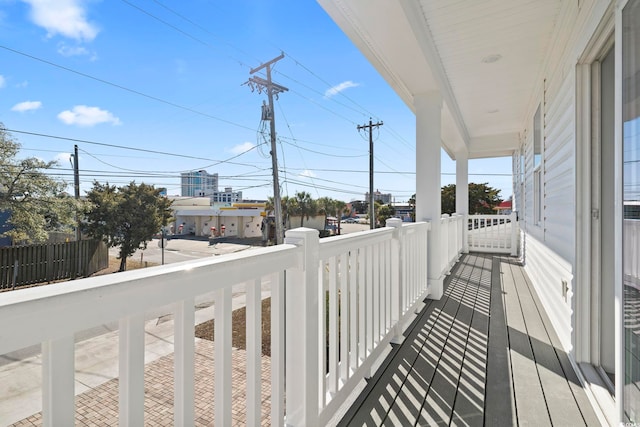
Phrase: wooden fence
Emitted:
{"points": [[29, 264]]}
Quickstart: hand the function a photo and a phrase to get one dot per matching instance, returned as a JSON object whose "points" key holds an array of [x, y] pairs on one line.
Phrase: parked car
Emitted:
{"points": [[351, 221]]}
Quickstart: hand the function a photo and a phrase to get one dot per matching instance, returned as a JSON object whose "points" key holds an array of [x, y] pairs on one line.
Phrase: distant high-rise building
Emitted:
{"points": [[199, 184], [377, 195], [226, 196]]}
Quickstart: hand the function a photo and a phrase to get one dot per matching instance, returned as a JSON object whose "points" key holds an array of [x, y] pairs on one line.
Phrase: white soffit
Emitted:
{"points": [[484, 56]]}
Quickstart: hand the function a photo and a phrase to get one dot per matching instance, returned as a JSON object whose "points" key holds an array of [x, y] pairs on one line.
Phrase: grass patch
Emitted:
{"points": [[239, 329], [132, 264]]}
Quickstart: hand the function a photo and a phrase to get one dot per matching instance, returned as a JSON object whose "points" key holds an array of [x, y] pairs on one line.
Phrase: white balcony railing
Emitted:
{"points": [[451, 241], [346, 298], [493, 233], [631, 249]]}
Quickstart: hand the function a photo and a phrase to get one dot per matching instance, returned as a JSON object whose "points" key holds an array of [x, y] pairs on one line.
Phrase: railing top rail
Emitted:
{"points": [[415, 226], [346, 242], [474, 216], [50, 312]]}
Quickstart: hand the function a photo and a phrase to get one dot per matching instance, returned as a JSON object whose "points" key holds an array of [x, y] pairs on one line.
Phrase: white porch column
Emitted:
{"points": [[462, 194], [428, 109]]}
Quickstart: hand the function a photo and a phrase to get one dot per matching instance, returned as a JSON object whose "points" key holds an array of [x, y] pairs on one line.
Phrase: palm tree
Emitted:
{"points": [[326, 206], [412, 203], [340, 206], [305, 205]]}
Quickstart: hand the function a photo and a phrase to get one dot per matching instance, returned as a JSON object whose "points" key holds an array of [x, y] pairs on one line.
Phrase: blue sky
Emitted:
{"points": [[165, 79]]}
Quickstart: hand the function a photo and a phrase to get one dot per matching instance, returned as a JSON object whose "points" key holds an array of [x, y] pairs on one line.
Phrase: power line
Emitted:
{"points": [[295, 143], [179, 30], [362, 110], [206, 31], [398, 172], [124, 88], [326, 154], [144, 150], [318, 144], [341, 93], [300, 64]]}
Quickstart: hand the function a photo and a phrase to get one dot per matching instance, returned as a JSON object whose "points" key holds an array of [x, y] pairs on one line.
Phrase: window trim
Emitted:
{"points": [[538, 167]]}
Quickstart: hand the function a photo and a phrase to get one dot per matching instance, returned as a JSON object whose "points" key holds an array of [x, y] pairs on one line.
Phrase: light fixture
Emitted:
{"points": [[490, 59]]}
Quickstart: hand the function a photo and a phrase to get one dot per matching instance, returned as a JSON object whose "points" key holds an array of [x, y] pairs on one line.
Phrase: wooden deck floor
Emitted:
{"points": [[485, 354]]}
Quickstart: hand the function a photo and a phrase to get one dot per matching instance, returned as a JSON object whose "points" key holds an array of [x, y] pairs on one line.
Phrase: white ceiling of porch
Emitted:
{"points": [[484, 56]]}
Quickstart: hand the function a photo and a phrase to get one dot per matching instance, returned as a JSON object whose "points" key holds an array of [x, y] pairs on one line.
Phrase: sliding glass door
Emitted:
{"points": [[631, 207]]}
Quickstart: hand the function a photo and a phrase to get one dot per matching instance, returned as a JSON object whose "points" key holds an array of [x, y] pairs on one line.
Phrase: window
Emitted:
{"points": [[538, 181], [631, 193], [519, 168]]}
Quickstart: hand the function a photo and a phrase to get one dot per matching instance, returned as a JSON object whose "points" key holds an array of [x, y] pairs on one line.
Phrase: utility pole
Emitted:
{"points": [[268, 113], [369, 127], [76, 187]]}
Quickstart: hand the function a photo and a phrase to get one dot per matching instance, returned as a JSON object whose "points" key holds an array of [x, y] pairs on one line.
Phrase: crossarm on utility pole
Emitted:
{"points": [[266, 64], [271, 89]]}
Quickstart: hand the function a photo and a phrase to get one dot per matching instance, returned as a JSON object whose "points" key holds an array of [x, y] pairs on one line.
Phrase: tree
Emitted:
{"points": [[35, 201], [126, 217], [482, 198], [340, 207], [305, 206], [412, 203], [331, 207], [326, 205], [384, 212]]}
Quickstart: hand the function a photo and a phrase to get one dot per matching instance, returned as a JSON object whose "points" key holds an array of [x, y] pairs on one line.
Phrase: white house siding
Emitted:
{"points": [[549, 248], [548, 272], [559, 167]]}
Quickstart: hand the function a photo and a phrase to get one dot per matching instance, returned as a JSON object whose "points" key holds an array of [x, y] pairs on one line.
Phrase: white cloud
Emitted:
{"points": [[307, 173], [3, 81], [66, 50], [244, 147], [64, 17], [22, 84], [339, 88], [63, 159], [83, 115], [21, 107]]}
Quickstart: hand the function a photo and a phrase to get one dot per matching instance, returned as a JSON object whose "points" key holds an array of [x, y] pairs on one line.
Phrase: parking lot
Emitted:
{"points": [[184, 248]]}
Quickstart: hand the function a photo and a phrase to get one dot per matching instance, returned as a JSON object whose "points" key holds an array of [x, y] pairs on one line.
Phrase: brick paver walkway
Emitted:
{"points": [[99, 406]]}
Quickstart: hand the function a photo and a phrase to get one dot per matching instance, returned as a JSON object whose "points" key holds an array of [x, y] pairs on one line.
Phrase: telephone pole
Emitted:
{"points": [[268, 113], [76, 188], [369, 127]]}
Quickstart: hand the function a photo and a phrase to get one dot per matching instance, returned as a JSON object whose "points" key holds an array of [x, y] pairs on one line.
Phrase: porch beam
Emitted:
{"points": [[428, 108], [420, 28], [462, 193], [495, 145]]}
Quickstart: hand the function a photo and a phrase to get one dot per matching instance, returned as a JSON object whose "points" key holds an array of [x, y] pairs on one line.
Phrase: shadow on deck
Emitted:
{"points": [[485, 354]]}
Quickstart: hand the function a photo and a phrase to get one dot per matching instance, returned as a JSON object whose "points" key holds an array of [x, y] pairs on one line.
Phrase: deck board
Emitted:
{"points": [[582, 401], [383, 388], [437, 406], [468, 408], [562, 407], [499, 404], [531, 408], [484, 354]]}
